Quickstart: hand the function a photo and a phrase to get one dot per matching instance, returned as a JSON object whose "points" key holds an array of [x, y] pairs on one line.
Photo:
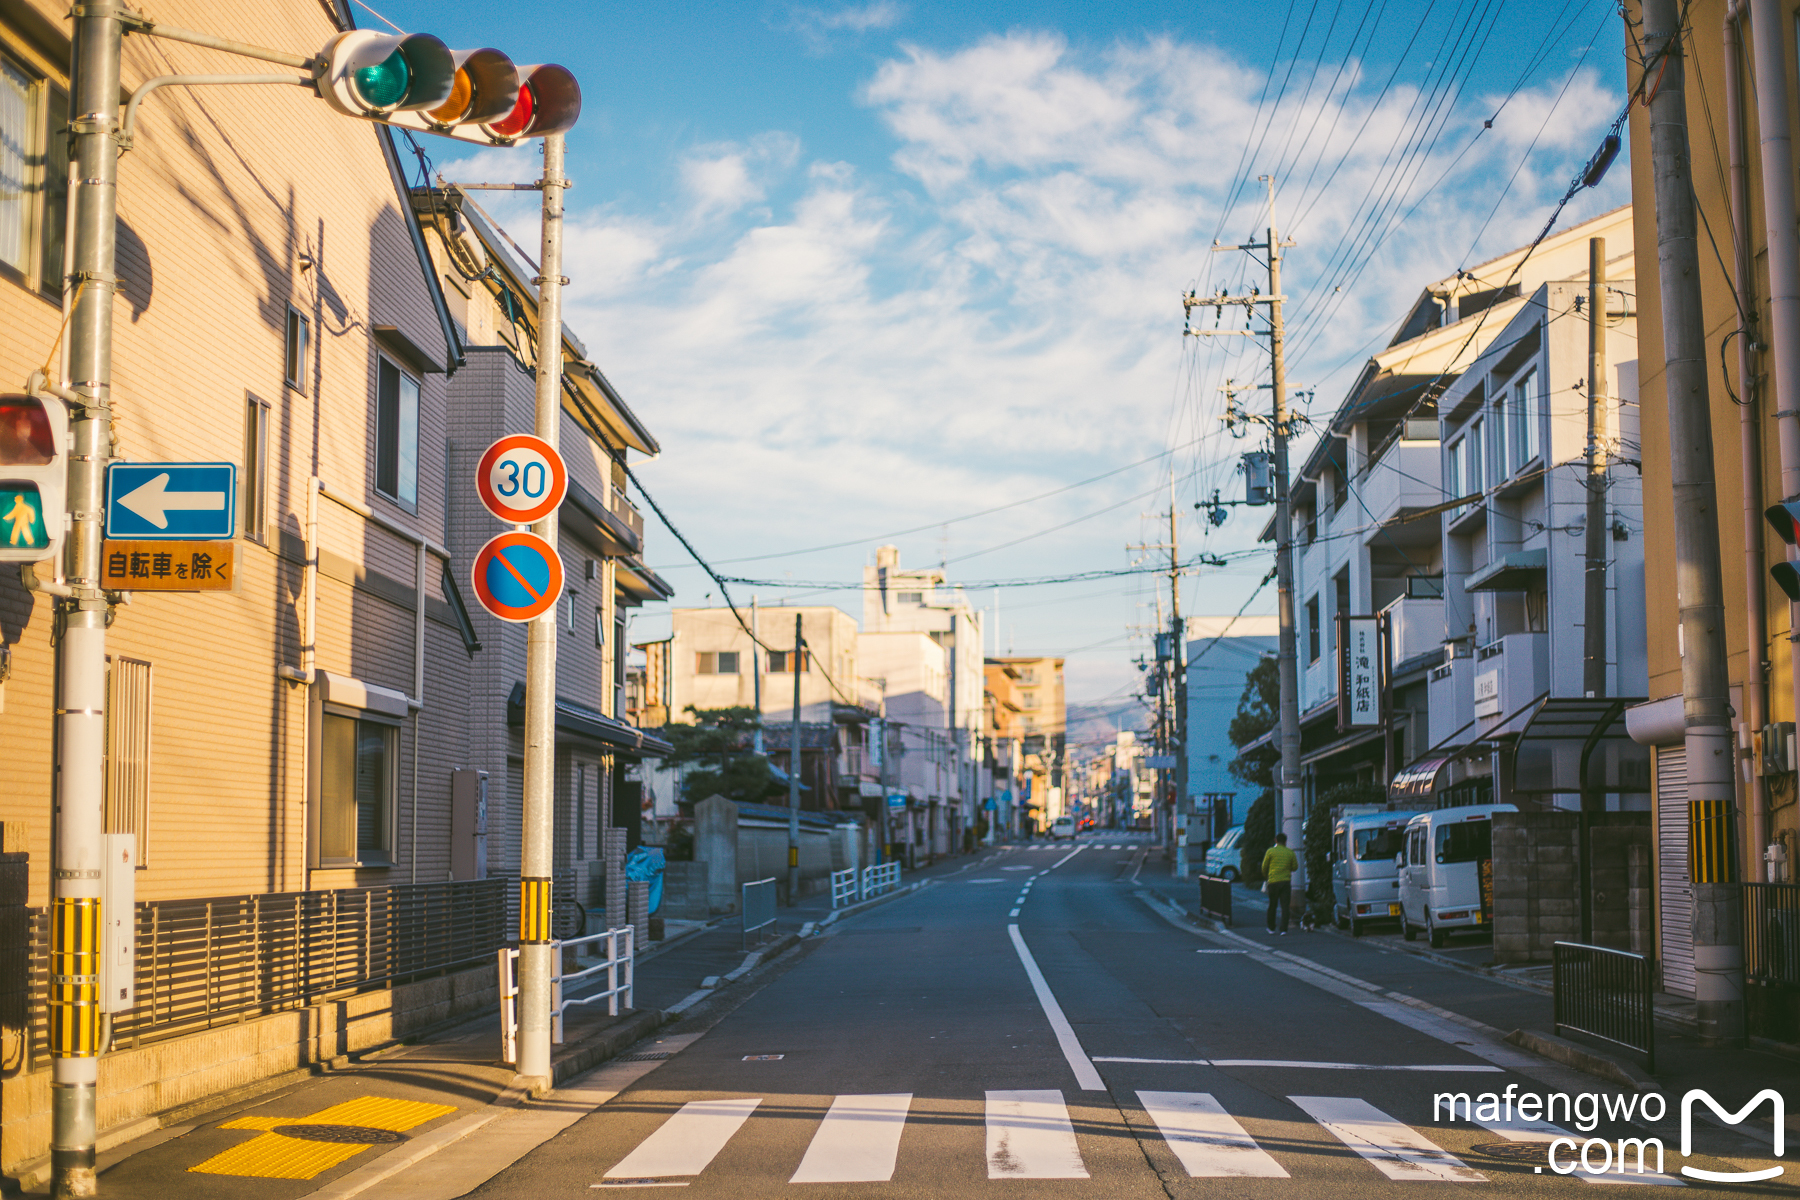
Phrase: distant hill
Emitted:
{"points": [[1091, 724]]}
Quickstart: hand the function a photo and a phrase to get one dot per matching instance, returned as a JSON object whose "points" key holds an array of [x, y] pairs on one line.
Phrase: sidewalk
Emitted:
{"points": [[1459, 983], [343, 1131]]}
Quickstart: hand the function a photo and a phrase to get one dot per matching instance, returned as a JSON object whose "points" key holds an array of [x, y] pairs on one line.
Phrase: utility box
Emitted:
{"points": [[1777, 748], [118, 924], [1259, 478], [468, 824]]}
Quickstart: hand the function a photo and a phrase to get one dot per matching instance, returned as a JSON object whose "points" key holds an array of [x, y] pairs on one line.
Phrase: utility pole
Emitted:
{"points": [[1717, 929], [75, 916], [1292, 818], [538, 821], [1593, 666], [1178, 671], [794, 771], [756, 666]]}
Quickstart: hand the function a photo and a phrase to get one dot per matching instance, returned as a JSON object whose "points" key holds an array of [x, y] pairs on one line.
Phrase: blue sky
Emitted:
{"points": [[869, 267]]}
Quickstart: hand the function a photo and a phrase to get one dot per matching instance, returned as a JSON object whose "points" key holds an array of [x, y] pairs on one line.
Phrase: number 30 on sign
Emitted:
{"points": [[521, 479]]}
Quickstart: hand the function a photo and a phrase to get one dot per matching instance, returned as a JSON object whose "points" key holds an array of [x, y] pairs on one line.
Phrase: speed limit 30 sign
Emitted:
{"points": [[521, 479]]}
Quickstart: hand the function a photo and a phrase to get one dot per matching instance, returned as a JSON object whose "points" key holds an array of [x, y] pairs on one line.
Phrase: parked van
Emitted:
{"points": [[1448, 855], [1365, 881], [1062, 827], [1222, 855]]}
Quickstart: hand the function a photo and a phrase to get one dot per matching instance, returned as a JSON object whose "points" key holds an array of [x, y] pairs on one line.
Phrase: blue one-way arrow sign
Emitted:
{"points": [[176, 501]]}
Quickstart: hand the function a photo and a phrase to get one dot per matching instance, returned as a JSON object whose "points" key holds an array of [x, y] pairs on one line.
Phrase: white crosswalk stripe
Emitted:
{"points": [[1029, 1136], [1396, 1150], [1205, 1138], [857, 1142], [1518, 1130], [687, 1141]]}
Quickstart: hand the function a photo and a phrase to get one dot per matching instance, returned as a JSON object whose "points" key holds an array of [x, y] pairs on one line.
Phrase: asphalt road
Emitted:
{"points": [[1036, 1026]]}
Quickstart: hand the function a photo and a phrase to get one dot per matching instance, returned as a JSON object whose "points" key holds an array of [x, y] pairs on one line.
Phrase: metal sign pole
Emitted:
{"points": [[539, 819], [81, 649]]}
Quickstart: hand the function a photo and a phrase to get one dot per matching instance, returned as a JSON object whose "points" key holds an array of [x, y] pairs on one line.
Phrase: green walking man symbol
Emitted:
{"points": [[23, 518]]}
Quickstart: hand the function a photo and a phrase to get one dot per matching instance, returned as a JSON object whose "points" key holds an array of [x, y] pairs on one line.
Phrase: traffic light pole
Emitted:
{"points": [[539, 818], [82, 616]]}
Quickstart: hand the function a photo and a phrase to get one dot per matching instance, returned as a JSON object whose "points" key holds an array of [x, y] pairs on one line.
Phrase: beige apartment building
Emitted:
{"points": [[1043, 722], [332, 737]]}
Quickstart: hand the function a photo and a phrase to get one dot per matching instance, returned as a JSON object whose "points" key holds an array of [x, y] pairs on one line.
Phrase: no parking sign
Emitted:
{"points": [[518, 576]]}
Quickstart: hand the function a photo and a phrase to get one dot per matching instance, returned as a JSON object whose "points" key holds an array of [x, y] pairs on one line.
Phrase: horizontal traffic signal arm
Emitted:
{"points": [[410, 80]]}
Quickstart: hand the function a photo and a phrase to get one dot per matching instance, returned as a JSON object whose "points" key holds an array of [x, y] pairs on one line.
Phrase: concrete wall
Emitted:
{"points": [[138, 1083], [1537, 898]]}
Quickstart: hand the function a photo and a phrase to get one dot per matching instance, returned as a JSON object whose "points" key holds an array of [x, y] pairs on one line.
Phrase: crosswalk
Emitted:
{"points": [[1029, 1135]]}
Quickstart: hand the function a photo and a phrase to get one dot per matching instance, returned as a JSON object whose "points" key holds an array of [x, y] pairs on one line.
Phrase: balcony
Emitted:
{"points": [[1404, 479], [1451, 700], [1416, 625], [1510, 673], [627, 512]]}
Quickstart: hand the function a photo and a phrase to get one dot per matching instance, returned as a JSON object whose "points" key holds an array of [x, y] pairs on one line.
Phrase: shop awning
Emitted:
{"points": [[581, 721], [1517, 572], [1336, 746], [1573, 743], [1417, 783]]}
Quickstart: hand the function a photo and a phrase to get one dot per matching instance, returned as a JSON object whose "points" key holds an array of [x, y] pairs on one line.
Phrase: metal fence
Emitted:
{"points": [[1772, 934], [620, 969], [223, 959], [759, 908], [1215, 897], [1605, 994], [876, 880], [843, 887]]}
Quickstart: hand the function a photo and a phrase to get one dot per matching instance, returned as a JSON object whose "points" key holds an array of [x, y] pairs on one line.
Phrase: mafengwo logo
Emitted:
{"points": [[1687, 1134]]}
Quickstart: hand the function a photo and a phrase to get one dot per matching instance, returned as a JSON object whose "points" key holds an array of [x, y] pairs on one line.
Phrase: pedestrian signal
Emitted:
{"points": [[416, 82], [34, 435]]}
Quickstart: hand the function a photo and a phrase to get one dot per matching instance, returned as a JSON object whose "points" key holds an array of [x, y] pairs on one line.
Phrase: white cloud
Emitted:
{"points": [[816, 25], [830, 350]]}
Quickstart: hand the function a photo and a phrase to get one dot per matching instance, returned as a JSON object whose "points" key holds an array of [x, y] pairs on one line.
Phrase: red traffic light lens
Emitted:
{"points": [[517, 121], [25, 438]]}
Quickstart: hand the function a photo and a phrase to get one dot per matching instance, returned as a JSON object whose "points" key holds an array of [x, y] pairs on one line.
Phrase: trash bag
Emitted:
{"points": [[645, 864]]}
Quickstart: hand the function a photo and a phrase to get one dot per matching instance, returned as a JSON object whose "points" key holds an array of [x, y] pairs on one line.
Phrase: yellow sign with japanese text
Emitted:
{"points": [[168, 566]]}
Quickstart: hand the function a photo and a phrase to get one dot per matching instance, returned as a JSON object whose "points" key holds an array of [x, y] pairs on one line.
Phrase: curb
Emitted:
{"points": [[1561, 1050], [712, 983], [850, 910], [590, 1052]]}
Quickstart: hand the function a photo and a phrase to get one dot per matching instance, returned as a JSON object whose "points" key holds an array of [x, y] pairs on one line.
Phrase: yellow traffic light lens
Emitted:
{"points": [[385, 84], [452, 110], [519, 120]]}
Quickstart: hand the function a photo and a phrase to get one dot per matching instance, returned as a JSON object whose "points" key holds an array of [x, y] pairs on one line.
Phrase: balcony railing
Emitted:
{"points": [[1772, 934], [1405, 476], [1416, 625], [627, 512]]}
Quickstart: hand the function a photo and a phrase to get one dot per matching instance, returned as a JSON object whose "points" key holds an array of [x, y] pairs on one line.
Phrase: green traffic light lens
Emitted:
{"points": [[384, 85]]}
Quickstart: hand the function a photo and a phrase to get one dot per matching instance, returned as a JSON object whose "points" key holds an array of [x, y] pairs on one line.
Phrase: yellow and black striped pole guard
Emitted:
{"points": [[534, 910], [75, 977], [1709, 841]]}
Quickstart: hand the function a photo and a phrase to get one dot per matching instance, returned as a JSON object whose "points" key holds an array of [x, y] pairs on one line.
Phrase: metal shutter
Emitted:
{"points": [[1674, 888]]}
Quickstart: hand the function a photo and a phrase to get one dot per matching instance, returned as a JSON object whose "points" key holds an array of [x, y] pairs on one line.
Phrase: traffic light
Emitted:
{"points": [[34, 436], [415, 82], [1785, 519]]}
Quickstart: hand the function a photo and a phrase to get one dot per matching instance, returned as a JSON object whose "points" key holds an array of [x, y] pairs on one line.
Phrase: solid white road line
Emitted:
{"points": [[1450, 1068], [857, 1142], [1205, 1138], [687, 1141], [1085, 1075], [1395, 1149], [1029, 1136], [1518, 1130], [1065, 858]]}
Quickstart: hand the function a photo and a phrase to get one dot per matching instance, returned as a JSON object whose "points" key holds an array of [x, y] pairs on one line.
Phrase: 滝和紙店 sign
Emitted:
{"points": [[1360, 670]]}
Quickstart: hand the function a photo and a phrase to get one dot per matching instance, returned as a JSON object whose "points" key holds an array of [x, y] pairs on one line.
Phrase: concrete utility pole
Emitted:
{"points": [[1717, 931], [1178, 669], [794, 771], [1593, 665], [756, 670], [75, 917], [538, 822]]}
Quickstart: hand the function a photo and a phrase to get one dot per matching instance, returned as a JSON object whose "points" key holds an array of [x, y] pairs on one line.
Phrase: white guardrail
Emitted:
{"points": [[876, 880], [619, 966], [844, 888]]}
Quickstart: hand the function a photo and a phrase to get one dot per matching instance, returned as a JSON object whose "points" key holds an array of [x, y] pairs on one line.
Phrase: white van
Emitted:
{"points": [[1365, 881], [1062, 827], [1446, 854]]}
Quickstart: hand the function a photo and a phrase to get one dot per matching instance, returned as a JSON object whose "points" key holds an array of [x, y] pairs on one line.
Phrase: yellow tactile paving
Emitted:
{"points": [[276, 1156]]}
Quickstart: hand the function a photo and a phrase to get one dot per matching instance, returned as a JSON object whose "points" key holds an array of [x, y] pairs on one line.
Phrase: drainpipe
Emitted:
{"points": [[1755, 713], [309, 622]]}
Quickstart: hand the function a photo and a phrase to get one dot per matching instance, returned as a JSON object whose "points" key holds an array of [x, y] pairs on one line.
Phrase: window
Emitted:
{"points": [[1477, 482], [780, 660], [356, 791], [599, 629], [910, 597], [251, 490], [1378, 845], [128, 751], [298, 339], [1312, 629], [573, 598], [1527, 403], [1453, 470], [397, 435], [722, 662], [619, 653], [34, 178], [1465, 841]]}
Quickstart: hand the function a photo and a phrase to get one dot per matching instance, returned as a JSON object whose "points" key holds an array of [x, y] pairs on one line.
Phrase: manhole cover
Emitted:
{"points": [[1519, 1152], [357, 1135]]}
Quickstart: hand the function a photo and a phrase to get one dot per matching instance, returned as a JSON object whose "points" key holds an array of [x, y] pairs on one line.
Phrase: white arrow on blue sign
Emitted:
{"points": [[174, 501]]}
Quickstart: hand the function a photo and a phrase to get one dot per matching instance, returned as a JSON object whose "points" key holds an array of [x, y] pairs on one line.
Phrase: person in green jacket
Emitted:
{"points": [[1278, 866]]}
